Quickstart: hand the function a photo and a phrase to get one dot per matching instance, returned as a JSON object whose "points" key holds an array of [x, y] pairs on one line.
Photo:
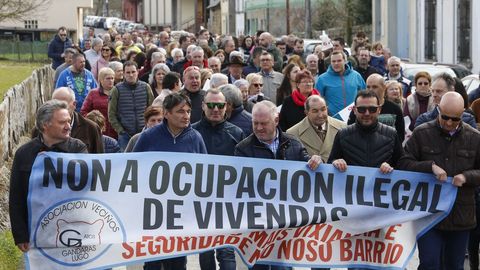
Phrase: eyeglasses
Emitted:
{"points": [[265, 60], [212, 105], [423, 83], [257, 84], [106, 49], [371, 109], [307, 83], [446, 117]]}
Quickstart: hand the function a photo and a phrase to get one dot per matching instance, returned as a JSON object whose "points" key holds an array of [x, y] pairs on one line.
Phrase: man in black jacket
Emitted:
{"points": [[53, 123], [220, 138], [447, 147], [367, 142], [268, 141]]}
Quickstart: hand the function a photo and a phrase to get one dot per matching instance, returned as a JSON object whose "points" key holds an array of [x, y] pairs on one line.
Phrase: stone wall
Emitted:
{"points": [[17, 118]]}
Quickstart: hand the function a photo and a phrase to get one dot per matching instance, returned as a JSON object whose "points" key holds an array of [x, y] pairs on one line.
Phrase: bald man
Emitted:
{"points": [[265, 41], [390, 113], [82, 128], [447, 147]]}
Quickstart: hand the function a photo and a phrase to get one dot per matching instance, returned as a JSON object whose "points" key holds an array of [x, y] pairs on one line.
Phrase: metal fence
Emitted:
{"points": [[24, 50]]}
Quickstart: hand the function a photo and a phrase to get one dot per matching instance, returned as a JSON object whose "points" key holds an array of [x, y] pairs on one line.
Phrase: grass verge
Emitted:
{"points": [[12, 73], [10, 255]]}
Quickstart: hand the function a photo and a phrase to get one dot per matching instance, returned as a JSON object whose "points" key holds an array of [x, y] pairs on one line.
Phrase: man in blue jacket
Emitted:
{"points": [[57, 46], [340, 84], [174, 134], [77, 78]]}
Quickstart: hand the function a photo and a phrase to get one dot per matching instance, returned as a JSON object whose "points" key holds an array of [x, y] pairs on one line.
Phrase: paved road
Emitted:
{"points": [[193, 264]]}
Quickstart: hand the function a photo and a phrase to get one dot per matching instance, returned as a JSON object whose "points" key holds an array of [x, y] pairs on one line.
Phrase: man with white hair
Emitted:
{"points": [[214, 64], [94, 53], [217, 80], [395, 73], [312, 65]]}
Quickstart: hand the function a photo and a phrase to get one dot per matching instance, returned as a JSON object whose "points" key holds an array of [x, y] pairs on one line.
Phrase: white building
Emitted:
{"points": [[443, 31], [68, 13]]}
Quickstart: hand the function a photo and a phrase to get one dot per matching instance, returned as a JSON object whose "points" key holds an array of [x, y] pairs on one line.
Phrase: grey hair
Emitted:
{"points": [[232, 94], [311, 56], [46, 111], [175, 51], [241, 82], [214, 58], [235, 54], [197, 49], [97, 41], [115, 65], [71, 51], [270, 107], [156, 68], [394, 58], [156, 56], [218, 79]]}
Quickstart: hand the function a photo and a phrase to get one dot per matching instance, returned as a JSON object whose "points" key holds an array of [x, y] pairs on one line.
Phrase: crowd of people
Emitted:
{"points": [[257, 96]]}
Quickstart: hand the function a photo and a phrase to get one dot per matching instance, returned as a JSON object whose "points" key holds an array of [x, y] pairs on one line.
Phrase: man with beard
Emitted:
{"points": [[367, 142], [77, 78]]}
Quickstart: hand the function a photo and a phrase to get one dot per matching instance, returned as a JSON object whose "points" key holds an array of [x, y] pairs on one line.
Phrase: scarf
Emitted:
{"points": [[300, 99]]}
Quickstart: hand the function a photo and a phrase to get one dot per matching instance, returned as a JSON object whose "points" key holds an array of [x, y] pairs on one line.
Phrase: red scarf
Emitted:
{"points": [[300, 99]]}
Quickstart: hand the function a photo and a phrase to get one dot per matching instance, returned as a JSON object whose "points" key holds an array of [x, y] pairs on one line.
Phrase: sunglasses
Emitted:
{"points": [[371, 109], [423, 83], [446, 118], [212, 105], [257, 84]]}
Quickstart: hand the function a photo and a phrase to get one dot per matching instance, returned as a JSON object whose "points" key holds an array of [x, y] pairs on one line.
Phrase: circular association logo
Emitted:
{"points": [[77, 231]]}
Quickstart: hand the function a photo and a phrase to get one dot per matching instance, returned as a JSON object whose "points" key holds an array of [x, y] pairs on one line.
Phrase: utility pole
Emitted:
{"points": [[268, 15], [308, 19], [287, 13]]}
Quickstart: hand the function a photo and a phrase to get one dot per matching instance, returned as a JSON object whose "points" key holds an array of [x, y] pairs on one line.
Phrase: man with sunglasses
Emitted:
{"points": [[57, 47], [447, 147], [367, 142], [220, 138], [442, 84]]}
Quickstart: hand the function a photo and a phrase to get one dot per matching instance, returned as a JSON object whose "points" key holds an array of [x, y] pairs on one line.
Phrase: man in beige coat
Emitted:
{"points": [[317, 130]]}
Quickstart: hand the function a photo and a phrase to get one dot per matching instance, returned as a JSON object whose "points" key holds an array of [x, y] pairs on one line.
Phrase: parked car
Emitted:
{"points": [[471, 82], [409, 70]]}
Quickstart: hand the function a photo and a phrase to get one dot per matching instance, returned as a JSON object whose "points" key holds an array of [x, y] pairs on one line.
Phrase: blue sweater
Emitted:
{"points": [[67, 79], [339, 90], [159, 138]]}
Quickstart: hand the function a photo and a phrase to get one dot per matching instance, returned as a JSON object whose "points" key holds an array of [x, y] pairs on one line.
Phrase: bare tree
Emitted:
{"points": [[19, 10]]}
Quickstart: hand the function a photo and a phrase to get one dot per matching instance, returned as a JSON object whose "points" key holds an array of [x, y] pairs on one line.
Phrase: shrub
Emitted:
{"points": [[10, 255]]}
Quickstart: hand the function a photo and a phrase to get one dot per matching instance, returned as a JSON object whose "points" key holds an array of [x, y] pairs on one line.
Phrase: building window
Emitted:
{"points": [[464, 31], [31, 24], [430, 30]]}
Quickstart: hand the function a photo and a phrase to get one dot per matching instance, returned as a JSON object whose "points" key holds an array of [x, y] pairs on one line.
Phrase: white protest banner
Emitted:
{"points": [[345, 113], [98, 211]]}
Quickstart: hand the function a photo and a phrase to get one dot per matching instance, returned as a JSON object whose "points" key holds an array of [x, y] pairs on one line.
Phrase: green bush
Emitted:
{"points": [[10, 255]]}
